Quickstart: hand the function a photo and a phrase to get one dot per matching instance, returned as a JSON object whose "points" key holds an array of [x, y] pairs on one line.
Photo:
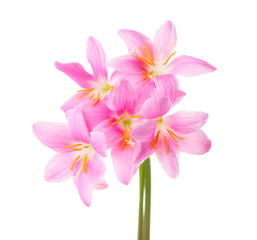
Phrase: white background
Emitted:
{"points": [[214, 197]]}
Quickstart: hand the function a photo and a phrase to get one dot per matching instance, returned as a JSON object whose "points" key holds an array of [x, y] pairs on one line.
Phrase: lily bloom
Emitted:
{"points": [[117, 129], [150, 59], [78, 155], [169, 135], [94, 86]]}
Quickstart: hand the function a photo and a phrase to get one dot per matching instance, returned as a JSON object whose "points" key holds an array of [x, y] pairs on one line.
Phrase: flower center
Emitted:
{"points": [[153, 69], [97, 93], [85, 153], [162, 133], [125, 125]]}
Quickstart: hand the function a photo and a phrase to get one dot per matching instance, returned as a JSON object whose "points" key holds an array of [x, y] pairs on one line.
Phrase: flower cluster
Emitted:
{"points": [[126, 113]]}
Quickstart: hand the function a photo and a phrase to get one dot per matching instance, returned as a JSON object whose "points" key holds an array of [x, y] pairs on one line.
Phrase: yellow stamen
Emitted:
{"points": [[74, 162], [145, 61], [86, 146], [109, 86], [155, 140], [125, 113], [117, 121], [176, 135], [166, 145], [169, 58], [170, 133], [85, 164], [75, 145], [97, 99], [87, 90], [149, 52], [91, 96], [136, 116]]}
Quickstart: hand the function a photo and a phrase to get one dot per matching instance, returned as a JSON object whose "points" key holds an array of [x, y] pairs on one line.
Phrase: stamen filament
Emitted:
{"points": [[145, 61], [166, 145], [89, 90], [155, 140], [136, 116], [117, 121], [97, 99], [74, 162], [169, 58], [91, 96], [149, 53], [125, 113], [85, 164], [109, 86], [75, 145], [176, 135]]}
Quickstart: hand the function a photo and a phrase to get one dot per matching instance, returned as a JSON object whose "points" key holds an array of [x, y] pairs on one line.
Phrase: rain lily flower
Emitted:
{"points": [[169, 135], [117, 130], [78, 155], [94, 86], [149, 60]]}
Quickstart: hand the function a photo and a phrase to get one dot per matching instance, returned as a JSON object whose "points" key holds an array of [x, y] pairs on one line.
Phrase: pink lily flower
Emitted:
{"points": [[169, 135], [149, 60], [117, 129], [78, 153], [94, 86]]}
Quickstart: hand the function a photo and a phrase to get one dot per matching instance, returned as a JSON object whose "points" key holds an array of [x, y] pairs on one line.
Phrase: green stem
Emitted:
{"points": [[144, 200]]}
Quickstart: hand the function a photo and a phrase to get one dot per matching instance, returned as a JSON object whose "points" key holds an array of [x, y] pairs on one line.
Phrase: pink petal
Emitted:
{"points": [[125, 98], [189, 66], [135, 41], [112, 133], [185, 121], [59, 167], [123, 161], [168, 161], [165, 40], [144, 90], [74, 101], [127, 64], [86, 182], [144, 151], [168, 86], [77, 125], [96, 114], [195, 143], [144, 131], [98, 142], [53, 135], [156, 106], [97, 59], [77, 73]]}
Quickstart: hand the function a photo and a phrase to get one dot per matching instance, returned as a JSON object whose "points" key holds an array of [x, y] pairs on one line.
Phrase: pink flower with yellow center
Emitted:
{"points": [[117, 129], [78, 155], [169, 135], [94, 86], [149, 60]]}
